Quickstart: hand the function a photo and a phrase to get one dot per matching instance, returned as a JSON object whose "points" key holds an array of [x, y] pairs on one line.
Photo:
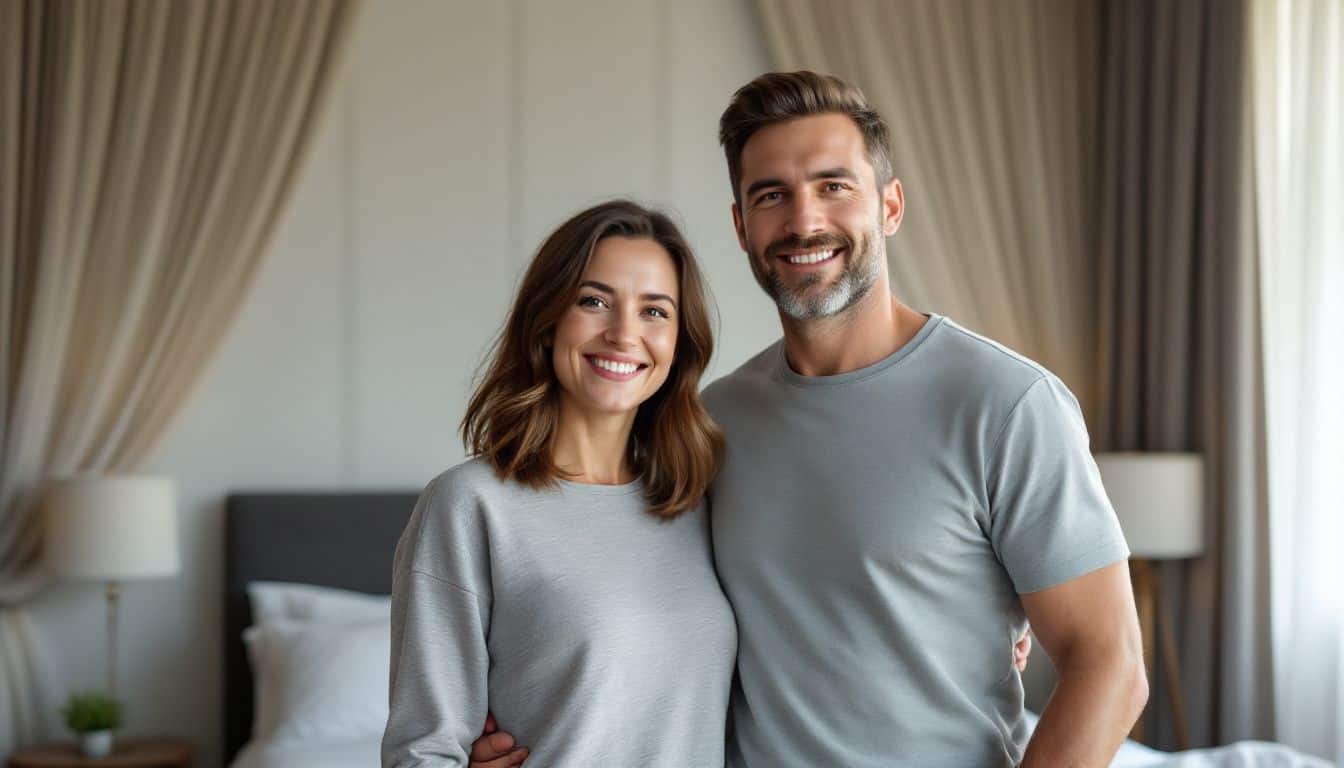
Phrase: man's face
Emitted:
{"points": [[813, 221]]}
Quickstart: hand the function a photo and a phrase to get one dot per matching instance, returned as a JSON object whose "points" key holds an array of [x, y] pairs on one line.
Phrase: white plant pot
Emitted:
{"points": [[96, 743]]}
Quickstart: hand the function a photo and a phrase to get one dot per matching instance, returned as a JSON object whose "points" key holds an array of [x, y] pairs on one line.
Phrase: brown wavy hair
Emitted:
{"points": [[675, 447]]}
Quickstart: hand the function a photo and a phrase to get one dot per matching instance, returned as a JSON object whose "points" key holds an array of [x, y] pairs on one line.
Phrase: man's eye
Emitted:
{"points": [[592, 301], [835, 186], [768, 197]]}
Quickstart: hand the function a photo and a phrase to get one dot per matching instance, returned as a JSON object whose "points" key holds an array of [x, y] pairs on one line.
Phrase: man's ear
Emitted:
{"points": [[741, 228], [893, 207]]}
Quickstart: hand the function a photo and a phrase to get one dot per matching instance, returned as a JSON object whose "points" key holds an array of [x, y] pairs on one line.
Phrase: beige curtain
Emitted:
{"points": [[992, 112], [147, 150], [1179, 349]]}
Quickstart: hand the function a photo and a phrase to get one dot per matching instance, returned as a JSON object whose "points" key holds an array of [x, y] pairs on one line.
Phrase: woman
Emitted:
{"points": [[562, 578]]}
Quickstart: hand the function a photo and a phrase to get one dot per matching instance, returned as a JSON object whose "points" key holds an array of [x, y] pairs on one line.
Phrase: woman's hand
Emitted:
{"points": [[1021, 650]]}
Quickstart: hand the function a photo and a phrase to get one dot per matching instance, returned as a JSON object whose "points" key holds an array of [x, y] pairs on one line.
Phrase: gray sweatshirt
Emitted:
{"points": [[595, 632]]}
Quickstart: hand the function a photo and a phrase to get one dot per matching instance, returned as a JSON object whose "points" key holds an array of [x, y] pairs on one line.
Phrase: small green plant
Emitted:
{"points": [[92, 711]]}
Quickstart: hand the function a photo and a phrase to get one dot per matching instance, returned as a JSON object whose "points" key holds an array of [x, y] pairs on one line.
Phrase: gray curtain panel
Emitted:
{"points": [[1178, 346], [147, 149]]}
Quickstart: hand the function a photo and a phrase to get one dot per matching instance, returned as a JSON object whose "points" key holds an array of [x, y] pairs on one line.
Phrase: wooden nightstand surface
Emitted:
{"points": [[131, 753]]}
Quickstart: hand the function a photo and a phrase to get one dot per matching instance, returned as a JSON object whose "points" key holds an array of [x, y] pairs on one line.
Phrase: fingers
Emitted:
{"points": [[492, 745], [1022, 651], [509, 760], [495, 748]]}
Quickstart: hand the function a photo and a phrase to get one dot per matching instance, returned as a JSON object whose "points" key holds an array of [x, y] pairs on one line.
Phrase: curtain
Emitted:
{"points": [[147, 150], [992, 112], [1179, 339], [1298, 57]]}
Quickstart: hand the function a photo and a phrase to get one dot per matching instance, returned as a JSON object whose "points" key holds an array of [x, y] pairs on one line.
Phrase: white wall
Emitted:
{"points": [[460, 133]]}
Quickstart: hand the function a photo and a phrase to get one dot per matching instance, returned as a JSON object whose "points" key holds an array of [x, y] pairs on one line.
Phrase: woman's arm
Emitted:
{"points": [[439, 662]]}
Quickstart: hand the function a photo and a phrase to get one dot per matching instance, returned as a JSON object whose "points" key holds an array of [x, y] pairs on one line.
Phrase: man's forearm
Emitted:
{"points": [[1091, 710]]}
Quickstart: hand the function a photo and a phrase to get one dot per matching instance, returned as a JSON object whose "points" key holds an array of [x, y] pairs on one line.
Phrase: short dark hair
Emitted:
{"points": [[777, 97]]}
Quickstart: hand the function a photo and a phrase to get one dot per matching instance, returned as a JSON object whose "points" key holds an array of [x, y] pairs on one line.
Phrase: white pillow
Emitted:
{"points": [[319, 682], [274, 601]]}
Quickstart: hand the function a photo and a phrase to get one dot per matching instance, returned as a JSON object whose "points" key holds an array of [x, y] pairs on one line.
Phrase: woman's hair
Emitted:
{"points": [[511, 419]]}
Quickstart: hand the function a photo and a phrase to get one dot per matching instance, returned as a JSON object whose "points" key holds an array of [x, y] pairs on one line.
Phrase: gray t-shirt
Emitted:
{"points": [[595, 632], [873, 531]]}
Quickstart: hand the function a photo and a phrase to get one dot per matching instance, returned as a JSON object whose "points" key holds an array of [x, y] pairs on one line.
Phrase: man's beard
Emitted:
{"points": [[799, 300]]}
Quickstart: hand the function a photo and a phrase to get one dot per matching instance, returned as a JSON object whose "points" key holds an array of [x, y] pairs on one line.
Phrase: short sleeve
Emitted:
{"points": [[1050, 520]]}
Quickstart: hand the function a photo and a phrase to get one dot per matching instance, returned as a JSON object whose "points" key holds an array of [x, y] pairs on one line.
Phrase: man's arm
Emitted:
{"points": [[1090, 629]]}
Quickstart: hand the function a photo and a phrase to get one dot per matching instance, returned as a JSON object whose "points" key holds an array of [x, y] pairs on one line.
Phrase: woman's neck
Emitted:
{"points": [[593, 447]]}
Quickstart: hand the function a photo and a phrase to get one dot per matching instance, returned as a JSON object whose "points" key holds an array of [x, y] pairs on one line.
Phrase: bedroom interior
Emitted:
{"points": [[253, 253]]}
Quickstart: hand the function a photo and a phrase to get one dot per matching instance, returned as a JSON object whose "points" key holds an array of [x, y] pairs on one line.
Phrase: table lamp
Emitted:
{"points": [[111, 528], [1159, 499]]}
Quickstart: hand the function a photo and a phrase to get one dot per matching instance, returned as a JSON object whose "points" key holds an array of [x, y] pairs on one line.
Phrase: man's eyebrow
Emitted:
{"points": [[838, 172], [760, 184], [603, 287]]}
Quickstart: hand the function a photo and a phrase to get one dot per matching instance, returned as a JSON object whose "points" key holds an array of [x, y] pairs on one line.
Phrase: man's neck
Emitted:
{"points": [[868, 332]]}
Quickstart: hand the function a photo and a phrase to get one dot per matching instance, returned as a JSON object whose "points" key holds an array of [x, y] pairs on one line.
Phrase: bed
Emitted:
{"points": [[345, 542]]}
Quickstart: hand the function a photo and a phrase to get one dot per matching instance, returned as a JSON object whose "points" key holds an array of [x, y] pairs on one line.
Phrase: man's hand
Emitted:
{"points": [[1022, 650], [495, 748]]}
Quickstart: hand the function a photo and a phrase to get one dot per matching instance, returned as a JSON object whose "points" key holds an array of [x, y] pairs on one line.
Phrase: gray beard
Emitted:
{"points": [[799, 303]]}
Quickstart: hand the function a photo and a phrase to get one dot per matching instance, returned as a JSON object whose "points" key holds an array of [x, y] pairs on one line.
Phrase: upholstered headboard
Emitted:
{"points": [[343, 540]]}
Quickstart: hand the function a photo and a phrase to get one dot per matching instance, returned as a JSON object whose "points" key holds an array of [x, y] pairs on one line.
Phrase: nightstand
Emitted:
{"points": [[131, 753]]}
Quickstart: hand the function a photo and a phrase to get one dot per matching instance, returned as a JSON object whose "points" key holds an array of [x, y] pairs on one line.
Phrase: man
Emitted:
{"points": [[900, 496]]}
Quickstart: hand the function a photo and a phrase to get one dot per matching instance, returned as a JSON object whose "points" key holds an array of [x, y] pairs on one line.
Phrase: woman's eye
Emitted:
{"points": [[595, 302], [658, 312]]}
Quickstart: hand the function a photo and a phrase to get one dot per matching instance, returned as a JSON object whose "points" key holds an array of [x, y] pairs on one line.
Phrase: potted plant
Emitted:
{"points": [[93, 716]]}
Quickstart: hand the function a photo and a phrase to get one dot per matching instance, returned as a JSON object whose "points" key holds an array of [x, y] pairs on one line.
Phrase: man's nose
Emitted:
{"points": [[805, 215]]}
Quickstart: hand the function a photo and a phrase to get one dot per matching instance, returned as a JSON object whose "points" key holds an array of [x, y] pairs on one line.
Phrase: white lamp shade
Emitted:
{"points": [[111, 528], [1159, 498]]}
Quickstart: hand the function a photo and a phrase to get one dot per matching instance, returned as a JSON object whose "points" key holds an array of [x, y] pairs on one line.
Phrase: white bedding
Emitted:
{"points": [[337, 624], [352, 754], [1246, 754]]}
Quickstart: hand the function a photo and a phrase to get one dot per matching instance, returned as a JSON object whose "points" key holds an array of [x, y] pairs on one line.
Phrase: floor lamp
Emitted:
{"points": [[1159, 498], [111, 528]]}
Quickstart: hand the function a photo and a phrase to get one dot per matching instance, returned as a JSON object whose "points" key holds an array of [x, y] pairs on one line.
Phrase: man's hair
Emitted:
{"points": [[777, 97], [512, 417]]}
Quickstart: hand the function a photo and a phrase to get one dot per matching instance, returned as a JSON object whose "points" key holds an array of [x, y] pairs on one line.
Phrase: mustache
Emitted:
{"points": [[795, 244]]}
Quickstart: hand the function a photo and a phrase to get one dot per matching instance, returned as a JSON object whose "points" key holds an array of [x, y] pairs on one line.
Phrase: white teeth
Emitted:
{"points": [[811, 258], [615, 367]]}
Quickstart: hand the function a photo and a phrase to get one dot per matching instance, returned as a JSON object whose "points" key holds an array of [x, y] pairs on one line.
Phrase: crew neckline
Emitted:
{"points": [[602, 489], [787, 374]]}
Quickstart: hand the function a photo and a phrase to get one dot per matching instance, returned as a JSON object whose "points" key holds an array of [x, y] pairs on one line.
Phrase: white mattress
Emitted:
{"points": [[1246, 754]]}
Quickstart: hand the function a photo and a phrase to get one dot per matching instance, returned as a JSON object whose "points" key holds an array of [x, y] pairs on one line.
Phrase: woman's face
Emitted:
{"points": [[616, 343]]}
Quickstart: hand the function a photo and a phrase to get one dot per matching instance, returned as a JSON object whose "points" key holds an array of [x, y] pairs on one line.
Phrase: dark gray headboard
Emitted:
{"points": [[343, 540]]}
